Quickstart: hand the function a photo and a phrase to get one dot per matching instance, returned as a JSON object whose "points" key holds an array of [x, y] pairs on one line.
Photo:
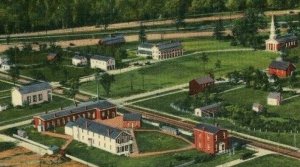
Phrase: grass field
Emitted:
{"points": [[14, 113], [58, 74], [102, 158], [156, 141], [272, 161], [181, 70]]}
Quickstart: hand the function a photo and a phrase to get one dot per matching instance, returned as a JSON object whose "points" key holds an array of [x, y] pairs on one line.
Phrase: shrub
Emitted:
{"points": [[246, 155]]}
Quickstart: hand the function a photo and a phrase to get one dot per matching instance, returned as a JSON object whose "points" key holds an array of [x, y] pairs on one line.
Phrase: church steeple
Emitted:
{"points": [[273, 34]]}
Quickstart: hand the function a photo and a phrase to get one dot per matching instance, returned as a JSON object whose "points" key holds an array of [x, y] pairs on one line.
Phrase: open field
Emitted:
{"points": [[167, 73], [14, 113], [103, 158], [271, 160], [156, 141]]}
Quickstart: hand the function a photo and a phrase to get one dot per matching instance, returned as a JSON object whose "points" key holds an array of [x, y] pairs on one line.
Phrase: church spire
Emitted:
{"points": [[273, 34]]}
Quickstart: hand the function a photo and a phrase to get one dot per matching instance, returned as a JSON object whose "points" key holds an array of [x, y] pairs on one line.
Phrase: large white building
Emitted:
{"points": [[31, 94], [103, 62], [79, 60], [101, 136], [277, 43], [160, 51]]}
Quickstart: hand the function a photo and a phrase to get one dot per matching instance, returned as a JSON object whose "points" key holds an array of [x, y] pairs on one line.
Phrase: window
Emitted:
{"points": [[34, 98], [29, 99], [40, 97]]}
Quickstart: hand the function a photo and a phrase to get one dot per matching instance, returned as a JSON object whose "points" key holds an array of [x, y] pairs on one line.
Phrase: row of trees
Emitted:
{"points": [[32, 15]]}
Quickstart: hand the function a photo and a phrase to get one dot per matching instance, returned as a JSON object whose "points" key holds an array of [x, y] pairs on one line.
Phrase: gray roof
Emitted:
{"points": [[34, 87], [212, 106], [146, 45], [98, 128], [204, 80], [169, 45], [102, 58], [113, 40], [132, 117], [208, 128], [286, 38], [79, 57], [281, 65], [274, 95], [77, 109]]}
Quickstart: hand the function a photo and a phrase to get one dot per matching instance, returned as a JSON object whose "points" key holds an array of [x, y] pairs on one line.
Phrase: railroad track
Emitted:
{"points": [[190, 125]]}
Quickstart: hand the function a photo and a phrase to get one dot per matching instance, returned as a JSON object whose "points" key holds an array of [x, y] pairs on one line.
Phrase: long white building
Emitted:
{"points": [[103, 62], [101, 136]]}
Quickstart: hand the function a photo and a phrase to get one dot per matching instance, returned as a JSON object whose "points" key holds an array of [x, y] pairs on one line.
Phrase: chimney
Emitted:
{"points": [[108, 132], [86, 124]]}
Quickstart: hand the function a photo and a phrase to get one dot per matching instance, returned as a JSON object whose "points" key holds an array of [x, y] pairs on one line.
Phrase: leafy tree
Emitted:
{"points": [[14, 74], [219, 30], [142, 34], [204, 60], [106, 81], [293, 79], [74, 87]]}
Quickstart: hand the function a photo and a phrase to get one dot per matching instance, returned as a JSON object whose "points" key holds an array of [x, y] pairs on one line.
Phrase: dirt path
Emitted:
{"points": [[19, 156]]}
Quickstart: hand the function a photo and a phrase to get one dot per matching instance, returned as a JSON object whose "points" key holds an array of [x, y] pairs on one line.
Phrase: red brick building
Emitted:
{"points": [[281, 68], [210, 139], [132, 120], [92, 110], [198, 85]]}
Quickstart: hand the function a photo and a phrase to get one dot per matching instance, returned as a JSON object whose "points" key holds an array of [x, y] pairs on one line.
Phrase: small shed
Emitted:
{"points": [[257, 107], [170, 130], [208, 111], [22, 133], [274, 99]]}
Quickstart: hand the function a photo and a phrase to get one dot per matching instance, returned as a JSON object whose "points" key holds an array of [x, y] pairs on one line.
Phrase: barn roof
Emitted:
{"points": [[281, 65], [34, 87], [98, 128], [77, 109], [132, 117], [208, 128], [204, 80]]}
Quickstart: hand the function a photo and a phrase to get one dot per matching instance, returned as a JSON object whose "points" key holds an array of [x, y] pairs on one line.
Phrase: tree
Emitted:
{"points": [[142, 34], [293, 79], [219, 30], [218, 64], [14, 74], [74, 88], [204, 60], [106, 81]]}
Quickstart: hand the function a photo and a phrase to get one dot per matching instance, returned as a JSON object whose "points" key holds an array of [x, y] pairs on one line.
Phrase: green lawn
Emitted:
{"points": [[204, 44], [180, 70], [5, 86], [18, 112], [103, 158], [33, 58], [156, 141], [36, 136], [58, 73], [272, 161]]}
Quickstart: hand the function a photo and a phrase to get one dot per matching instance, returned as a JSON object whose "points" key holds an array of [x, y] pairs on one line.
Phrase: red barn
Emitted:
{"points": [[281, 68], [92, 110], [132, 120], [198, 85], [210, 139]]}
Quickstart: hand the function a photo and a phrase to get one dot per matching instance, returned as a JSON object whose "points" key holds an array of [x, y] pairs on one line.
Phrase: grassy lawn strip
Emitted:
{"points": [[14, 113], [156, 141], [102, 158], [271, 160], [165, 74], [5, 86]]}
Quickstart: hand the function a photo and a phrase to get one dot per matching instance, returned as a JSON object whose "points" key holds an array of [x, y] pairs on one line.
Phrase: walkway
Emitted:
{"points": [[259, 153], [62, 136]]}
